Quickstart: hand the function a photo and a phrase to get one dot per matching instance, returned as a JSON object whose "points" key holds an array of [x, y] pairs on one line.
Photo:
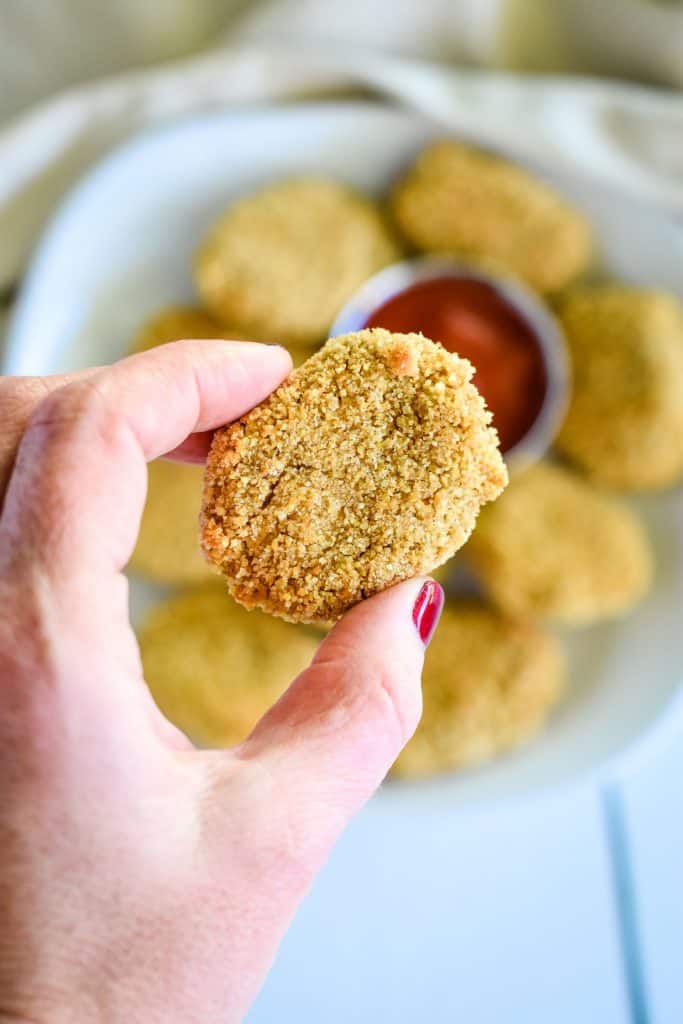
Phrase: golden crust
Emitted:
{"points": [[176, 323], [366, 467], [460, 200], [555, 547], [488, 685], [168, 550], [281, 263], [625, 422], [215, 669]]}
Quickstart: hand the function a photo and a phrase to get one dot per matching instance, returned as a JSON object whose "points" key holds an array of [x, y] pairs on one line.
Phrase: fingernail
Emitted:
{"points": [[427, 610]]}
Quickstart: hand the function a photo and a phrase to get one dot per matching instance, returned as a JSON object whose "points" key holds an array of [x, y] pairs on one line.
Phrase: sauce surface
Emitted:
{"points": [[472, 319]]}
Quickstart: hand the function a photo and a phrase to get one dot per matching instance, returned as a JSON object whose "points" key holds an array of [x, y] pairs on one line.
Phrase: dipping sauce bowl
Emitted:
{"points": [[503, 328]]}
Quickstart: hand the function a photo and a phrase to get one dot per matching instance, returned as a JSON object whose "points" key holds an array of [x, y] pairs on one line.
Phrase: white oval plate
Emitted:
{"points": [[122, 245]]}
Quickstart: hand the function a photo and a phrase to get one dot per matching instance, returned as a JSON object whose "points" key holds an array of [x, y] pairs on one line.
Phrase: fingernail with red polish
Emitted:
{"points": [[427, 610]]}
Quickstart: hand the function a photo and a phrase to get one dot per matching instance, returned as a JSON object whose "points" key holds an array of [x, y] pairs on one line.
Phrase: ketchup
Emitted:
{"points": [[474, 320]]}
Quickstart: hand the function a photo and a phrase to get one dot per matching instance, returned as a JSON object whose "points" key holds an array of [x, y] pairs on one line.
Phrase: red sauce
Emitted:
{"points": [[474, 320]]}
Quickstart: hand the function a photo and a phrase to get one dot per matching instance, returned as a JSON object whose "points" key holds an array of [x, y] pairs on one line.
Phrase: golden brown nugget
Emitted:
{"points": [[176, 323], [625, 421], [215, 669], [168, 549], [555, 547], [281, 263], [488, 685], [366, 467], [460, 200]]}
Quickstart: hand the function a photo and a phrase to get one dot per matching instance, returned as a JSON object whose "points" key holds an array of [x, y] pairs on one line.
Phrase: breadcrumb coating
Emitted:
{"points": [[168, 549], [460, 200], [555, 547], [488, 685], [215, 669], [366, 467], [176, 323], [625, 421], [281, 263]]}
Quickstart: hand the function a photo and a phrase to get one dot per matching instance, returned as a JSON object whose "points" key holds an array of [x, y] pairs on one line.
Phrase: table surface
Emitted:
{"points": [[566, 909]]}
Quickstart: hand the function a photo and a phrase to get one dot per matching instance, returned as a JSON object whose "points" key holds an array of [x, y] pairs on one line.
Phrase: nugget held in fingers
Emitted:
{"points": [[488, 685], [367, 466], [215, 669], [625, 421], [281, 263], [555, 547], [463, 201]]}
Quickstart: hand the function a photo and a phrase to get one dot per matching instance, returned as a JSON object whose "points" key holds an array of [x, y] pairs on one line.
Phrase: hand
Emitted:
{"points": [[140, 879]]}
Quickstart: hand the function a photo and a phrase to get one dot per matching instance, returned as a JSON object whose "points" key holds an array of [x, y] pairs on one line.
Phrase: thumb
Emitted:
{"points": [[330, 740]]}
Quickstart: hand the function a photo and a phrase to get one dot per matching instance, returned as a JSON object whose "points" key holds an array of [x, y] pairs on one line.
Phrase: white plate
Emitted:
{"points": [[122, 245]]}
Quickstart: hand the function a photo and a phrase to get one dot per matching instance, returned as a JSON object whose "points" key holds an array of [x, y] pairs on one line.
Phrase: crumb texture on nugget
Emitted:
{"points": [[625, 421], [168, 549], [555, 547], [281, 262], [366, 467], [463, 201], [488, 685], [213, 668], [176, 323]]}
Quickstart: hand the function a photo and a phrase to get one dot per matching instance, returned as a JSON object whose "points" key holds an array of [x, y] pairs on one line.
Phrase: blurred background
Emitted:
{"points": [[487, 897]]}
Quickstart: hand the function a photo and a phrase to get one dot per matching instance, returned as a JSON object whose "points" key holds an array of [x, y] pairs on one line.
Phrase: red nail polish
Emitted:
{"points": [[427, 609]]}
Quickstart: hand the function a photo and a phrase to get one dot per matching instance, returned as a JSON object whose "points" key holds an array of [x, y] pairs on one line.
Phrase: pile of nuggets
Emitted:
{"points": [[560, 548]]}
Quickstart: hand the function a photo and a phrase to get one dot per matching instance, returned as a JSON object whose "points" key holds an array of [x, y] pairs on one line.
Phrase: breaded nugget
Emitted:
{"points": [[557, 548], [625, 420], [460, 200], [488, 685], [281, 262], [168, 549], [176, 323], [366, 467], [213, 668]]}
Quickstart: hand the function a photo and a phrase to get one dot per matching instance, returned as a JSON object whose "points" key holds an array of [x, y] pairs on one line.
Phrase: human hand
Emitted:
{"points": [[140, 879]]}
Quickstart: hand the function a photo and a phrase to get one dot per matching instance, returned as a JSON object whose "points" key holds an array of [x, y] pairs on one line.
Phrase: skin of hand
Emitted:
{"points": [[141, 879]]}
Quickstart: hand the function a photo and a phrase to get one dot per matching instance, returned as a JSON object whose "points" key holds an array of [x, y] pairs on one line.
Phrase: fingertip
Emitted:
{"points": [[410, 609]]}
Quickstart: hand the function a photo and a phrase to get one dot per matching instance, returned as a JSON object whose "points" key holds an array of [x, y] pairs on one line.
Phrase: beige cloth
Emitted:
{"points": [[625, 135]]}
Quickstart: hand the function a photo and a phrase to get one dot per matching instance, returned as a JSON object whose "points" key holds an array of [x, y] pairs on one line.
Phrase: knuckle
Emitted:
{"points": [[79, 411], [64, 410], [18, 396]]}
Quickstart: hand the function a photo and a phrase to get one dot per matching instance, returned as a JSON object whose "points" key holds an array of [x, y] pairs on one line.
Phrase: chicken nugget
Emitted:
{"points": [[281, 263], [555, 547], [366, 467], [168, 549], [176, 323], [460, 200], [625, 422], [215, 669], [488, 685]]}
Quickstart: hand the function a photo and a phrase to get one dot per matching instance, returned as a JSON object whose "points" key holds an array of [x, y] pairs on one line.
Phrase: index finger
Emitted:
{"points": [[78, 485]]}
